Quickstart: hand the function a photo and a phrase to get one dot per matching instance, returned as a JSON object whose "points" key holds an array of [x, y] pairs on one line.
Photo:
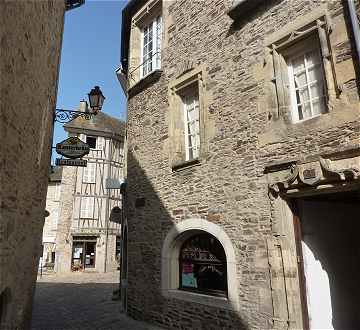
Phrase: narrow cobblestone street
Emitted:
{"points": [[80, 301]]}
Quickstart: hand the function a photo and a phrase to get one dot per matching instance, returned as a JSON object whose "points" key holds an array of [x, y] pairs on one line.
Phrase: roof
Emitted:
{"points": [[100, 124], [132, 7], [55, 173]]}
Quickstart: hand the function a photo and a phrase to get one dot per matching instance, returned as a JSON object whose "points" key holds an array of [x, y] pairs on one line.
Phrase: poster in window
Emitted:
{"points": [[187, 277], [77, 252]]}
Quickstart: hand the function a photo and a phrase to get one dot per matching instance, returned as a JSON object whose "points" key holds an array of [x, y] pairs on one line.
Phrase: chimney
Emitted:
{"points": [[83, 107]]}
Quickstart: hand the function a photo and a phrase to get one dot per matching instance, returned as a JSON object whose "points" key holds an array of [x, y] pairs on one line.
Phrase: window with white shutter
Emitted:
{"points": [[87, 207], [89, 173]]}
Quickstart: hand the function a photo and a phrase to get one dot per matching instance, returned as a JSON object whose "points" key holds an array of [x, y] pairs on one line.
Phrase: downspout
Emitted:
{"points": [[355, 25]]}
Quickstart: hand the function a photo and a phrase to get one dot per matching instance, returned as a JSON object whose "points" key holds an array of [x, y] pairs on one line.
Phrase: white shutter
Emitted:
{"points": [[87, 207], [89, 173], [83, 210]]}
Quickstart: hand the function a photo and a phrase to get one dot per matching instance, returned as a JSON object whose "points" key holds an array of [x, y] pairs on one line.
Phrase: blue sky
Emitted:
{"points": [[90, 55]]}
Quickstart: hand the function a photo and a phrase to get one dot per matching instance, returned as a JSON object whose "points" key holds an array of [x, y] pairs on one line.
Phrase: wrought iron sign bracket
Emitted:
{"points": [[64, 116]]}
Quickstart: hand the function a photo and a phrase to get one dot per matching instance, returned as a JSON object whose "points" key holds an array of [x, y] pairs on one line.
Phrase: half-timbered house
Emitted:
{"points": [[86, 239]]}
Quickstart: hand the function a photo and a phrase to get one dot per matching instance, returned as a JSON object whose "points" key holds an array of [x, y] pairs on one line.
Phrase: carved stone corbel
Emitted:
{"points": [[352, 173], [277, 187]]}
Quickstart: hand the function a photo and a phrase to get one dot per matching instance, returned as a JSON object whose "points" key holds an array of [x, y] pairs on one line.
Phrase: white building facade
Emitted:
{"points": [[86, 239]]}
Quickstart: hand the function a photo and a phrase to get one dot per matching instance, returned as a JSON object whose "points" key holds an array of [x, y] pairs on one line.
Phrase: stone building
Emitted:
{"points": [[51, 221], [243, 164], [86, 239], [31, 35]]}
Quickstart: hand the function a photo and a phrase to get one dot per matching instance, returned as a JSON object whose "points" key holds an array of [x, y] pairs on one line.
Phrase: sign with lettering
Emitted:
{"points": [[72, 148], [70, 162]]}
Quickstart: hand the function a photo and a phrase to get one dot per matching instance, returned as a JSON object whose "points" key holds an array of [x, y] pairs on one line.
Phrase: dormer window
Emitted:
{"points": [[91, 141]]}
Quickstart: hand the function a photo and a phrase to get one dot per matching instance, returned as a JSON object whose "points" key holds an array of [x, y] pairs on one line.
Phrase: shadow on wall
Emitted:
{"points": [[149, 222]]}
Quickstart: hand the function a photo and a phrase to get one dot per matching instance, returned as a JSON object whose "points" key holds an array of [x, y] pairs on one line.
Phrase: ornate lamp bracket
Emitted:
{"points": [[64, 116]]}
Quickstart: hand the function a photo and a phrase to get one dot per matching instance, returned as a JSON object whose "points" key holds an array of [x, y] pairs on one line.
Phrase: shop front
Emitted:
{"points": [[83, 253]]}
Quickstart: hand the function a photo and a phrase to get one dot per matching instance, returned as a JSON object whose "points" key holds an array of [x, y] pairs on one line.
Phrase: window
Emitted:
{"points": [[303, 69], [188, 118], [91, 141], [200, 265], [57, 192], [151, 46], [307, 85], [191, 125], [87, 207], [203, 265], [89, 173], [100, 143]]}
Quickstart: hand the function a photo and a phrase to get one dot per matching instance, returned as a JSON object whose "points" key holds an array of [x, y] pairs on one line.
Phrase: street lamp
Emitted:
{"points": [[96, 100]]}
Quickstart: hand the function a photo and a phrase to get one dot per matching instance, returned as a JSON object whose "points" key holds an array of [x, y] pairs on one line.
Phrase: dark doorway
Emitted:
{"points": [[328, 229], [84, 253]]}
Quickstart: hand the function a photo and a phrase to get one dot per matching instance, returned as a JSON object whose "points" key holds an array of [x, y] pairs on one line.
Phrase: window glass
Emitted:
{"points": [[203, 265], [151, 46], [307, 84], [91, 141], [191, 124]]}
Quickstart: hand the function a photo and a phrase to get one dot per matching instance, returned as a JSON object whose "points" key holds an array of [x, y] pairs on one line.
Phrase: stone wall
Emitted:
{"points": [[31, 36], [228, 187]]}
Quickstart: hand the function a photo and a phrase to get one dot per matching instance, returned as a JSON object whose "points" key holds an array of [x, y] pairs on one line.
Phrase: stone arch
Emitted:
{"points": [[177, 235]]}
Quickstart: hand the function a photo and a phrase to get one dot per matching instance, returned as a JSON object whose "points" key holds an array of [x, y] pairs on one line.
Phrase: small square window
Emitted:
{"points": [[91, 141]]}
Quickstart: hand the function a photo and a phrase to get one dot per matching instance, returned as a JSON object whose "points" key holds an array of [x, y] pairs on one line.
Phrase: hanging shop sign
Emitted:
{"points": [[70, 162], [115, 215], [72, 148]]}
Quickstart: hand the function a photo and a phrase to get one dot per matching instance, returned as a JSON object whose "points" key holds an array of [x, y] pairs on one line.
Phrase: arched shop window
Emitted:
{"points": [[203, 265]]}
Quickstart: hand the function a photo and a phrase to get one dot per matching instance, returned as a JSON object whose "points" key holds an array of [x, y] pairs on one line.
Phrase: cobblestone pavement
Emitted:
{"points": [[80, 301]]}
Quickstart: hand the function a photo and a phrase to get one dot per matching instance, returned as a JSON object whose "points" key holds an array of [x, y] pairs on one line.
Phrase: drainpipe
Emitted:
{"points": [[355, 25]]}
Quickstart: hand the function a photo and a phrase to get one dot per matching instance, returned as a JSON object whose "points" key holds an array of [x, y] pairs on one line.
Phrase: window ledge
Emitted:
{"points": [[183, 165], [144, 82], [203, 299]]}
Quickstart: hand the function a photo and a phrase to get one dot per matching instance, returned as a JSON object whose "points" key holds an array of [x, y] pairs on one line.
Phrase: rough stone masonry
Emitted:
{"points": [[244, 132], [31, 36]]}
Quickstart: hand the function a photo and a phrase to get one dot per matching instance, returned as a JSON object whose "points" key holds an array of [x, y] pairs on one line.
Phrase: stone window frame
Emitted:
{"points": [[143, 17], [279, 43], [192, 76], [175, 238]]}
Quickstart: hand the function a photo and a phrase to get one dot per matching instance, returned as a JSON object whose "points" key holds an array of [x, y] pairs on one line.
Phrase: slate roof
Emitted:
{"points": [[100, 123]]}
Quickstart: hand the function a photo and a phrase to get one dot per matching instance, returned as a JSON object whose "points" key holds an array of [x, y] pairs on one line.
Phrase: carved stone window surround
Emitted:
{"points": [[317, 22], [142, 17], [190, 76]]}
